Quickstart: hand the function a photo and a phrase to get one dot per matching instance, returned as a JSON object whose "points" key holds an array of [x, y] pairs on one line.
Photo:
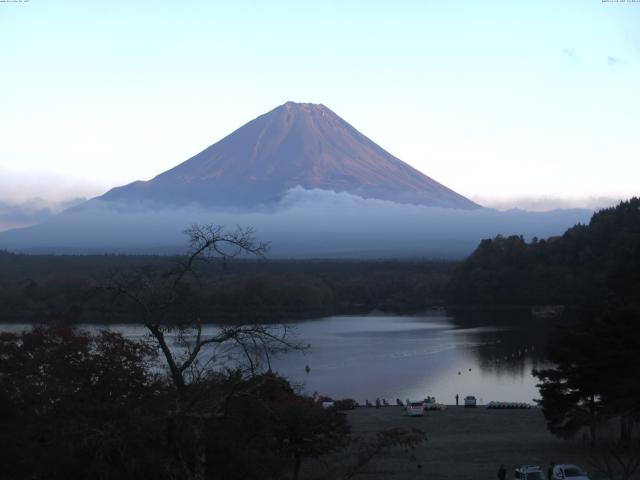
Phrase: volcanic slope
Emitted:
{"points": [[295, 144]]}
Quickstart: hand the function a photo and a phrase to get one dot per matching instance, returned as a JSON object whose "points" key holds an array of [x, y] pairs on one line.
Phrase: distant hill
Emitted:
{"points": [[588, 264], [295, 144]]}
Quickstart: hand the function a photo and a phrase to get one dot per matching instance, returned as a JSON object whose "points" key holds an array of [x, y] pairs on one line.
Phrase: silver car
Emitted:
{"points": [[415, 409], [530, 472], [568, 472]]}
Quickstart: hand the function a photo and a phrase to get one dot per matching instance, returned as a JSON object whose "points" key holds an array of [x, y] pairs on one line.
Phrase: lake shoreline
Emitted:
{"points": [[535, 312]]}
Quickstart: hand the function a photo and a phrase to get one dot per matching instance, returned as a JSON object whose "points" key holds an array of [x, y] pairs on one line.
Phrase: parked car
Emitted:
{"points": [[568, 472], [470, 401], [415, 409], [530, 472], [327, 402]]}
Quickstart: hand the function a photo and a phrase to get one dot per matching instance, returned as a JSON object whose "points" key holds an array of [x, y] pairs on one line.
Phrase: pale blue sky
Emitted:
{"points": [[495, 99]]}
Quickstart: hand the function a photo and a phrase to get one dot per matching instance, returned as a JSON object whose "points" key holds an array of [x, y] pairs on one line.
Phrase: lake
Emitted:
{"points": [[411, 356], [390, 356]]}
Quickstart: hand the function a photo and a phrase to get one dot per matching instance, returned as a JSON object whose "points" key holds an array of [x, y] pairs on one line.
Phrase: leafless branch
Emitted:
{"points": [[156, 294]]}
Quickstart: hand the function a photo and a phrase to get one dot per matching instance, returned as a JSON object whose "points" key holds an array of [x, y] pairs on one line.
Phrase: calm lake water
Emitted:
{"points": [[392, 356], [364, 357]]}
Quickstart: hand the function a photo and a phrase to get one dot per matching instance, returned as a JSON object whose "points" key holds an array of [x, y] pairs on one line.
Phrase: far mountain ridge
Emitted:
{"points": [[295, 144]]}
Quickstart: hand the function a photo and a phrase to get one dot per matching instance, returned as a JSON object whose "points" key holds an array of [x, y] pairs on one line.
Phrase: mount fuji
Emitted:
{"points": [[294, 145]]}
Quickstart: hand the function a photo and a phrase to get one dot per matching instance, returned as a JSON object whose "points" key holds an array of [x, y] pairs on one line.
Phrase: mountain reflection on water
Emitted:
{"points": [[434, 354]]}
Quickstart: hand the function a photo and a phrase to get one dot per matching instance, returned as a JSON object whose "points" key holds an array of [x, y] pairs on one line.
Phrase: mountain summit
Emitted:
{"points": [[295, 144]]}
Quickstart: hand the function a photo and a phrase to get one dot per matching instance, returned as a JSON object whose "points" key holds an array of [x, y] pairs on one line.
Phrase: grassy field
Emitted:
{"points": [[462, 444]]}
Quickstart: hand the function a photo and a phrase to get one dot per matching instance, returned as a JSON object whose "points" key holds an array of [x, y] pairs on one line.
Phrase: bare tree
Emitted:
{"points": [[165, 301]]}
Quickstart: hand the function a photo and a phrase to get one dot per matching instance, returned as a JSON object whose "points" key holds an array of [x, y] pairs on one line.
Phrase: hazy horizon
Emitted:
{"points": [[303, 224], [19, 209]]}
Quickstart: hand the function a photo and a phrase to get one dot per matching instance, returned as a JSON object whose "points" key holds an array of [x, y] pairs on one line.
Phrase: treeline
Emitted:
{"points": [[76, 289], [586, 265], [591, 390]]}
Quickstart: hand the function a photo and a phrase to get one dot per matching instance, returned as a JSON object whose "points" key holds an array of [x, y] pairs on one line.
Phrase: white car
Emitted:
{"points": [[415, 409], [530, 472], [327, 402], [568, 472]]}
